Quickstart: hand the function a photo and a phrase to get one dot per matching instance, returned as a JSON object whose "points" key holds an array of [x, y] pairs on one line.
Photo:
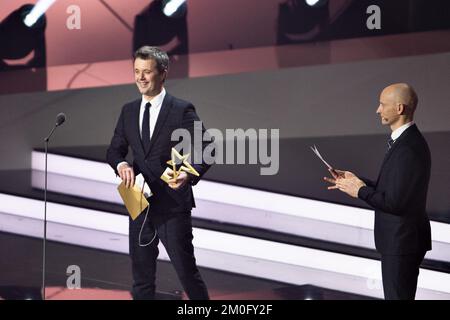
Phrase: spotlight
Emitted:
{"points": [[18, 39], [38, 10], [311, 2], [174, 8], [23, 51], [154, 27], [315, 3], [301, 21]]}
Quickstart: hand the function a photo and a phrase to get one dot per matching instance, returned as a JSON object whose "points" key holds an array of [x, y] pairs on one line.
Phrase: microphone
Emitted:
{"points": [[60, 119]]}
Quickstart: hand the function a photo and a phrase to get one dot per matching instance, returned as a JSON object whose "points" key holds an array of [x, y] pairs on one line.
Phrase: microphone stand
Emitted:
{"points": [[45, 212]]}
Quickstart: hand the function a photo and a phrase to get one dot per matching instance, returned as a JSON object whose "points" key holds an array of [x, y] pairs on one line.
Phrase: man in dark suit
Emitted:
{"points": [[146, 125], [399, 196]]}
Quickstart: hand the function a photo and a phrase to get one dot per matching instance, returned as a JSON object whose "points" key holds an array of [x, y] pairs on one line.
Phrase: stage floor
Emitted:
{"points": [[107, 275]]}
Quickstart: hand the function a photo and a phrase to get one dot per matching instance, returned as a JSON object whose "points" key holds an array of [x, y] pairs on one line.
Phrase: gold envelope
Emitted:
{"points": [[133, 199]]}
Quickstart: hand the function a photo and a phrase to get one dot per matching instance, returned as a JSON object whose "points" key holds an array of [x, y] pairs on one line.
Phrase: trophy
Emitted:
{"points": [[185, 166]]}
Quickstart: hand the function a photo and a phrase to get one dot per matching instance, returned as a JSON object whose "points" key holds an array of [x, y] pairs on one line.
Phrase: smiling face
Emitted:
{"points": [[149, 79]]}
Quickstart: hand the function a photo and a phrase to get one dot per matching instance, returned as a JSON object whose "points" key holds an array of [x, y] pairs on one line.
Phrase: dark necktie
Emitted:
{"points": [[146, 128], [390, 144]]}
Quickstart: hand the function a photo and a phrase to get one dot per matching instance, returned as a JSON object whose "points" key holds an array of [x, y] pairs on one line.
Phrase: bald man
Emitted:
{"points": [[399, 195]]}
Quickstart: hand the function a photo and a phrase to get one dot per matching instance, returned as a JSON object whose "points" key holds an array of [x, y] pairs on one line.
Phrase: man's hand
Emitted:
{"points": [[345, 181], [350, 186], [126, 173], [180, 181], [336, 174], [341, 173]]}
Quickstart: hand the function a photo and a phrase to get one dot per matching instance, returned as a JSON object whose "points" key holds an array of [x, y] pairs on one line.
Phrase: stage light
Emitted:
{"points": [[315, 3], [174, 8], [18, 39], [154, 27], [311, 2], [301, 21], [23, 48], [38, 10]]}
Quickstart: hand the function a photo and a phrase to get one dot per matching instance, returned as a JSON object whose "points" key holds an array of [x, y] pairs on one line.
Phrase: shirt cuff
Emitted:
{"points": [[120, 163]]}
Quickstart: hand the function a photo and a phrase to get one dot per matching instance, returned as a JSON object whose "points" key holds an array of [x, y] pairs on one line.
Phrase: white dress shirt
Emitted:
{"points": [[156, 104], [398, 132]]}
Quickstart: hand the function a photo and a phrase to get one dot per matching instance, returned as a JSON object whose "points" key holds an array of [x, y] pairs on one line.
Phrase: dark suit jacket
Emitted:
{"points": [[399, 196], [175, 113]]}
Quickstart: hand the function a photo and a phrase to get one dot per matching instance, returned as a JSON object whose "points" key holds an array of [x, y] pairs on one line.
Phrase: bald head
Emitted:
{"points": [[402, 93], [397, 105]]}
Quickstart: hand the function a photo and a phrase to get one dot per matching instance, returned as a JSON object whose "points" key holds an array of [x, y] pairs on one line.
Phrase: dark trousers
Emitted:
{"points": [[175, 233], [400, 273]]}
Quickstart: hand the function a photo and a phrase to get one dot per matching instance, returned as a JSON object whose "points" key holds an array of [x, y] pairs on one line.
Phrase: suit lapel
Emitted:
{"points": [[162, 117], [394, 146]]}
